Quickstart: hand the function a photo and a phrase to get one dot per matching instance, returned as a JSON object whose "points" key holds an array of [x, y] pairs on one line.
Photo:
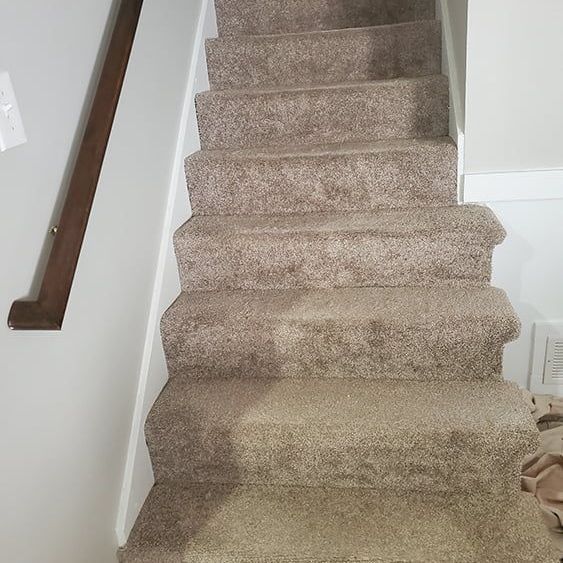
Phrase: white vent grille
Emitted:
{"points": [[547, 365], [553, 371]]}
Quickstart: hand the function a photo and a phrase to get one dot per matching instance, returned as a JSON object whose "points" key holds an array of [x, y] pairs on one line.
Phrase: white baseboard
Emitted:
{"points": [[460, 164], [138, 476], [449, 64], [513, 186]]}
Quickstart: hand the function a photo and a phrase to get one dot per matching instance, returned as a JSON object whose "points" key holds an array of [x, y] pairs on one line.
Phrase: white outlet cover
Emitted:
{"points": [[544, 332], [12, 132]]}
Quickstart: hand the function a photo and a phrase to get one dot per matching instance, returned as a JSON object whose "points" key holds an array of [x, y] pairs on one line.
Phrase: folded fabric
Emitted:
{"points": [[542, 472], [546, 409]]}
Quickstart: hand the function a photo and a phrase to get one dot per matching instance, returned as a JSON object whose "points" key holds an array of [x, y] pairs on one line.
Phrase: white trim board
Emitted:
{"points": [[138, 478], [513, 186], [449, 65], [457, 97]]}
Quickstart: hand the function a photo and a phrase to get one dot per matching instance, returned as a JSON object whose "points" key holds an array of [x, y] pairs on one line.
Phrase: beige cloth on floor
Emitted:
{"points": [[542, 472]]}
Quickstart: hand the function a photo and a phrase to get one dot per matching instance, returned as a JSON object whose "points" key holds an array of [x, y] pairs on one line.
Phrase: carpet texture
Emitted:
{"points": [[253, 17], [342, 433], [370, 333], [336, 353], [190, 523], [447, 246], [358, 111], [361, 54], [324, 178]]}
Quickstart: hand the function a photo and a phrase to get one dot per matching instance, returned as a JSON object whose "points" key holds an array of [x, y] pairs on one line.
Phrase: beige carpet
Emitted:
{"points": [[336, 354]]}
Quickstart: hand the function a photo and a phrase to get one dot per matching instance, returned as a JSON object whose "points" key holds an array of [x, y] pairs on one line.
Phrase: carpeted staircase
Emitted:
{"points": [[335, 356]]}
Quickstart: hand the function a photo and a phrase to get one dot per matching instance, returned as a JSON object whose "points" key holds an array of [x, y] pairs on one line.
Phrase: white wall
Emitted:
{"points": [[515, 86], [453, 14], [457, 11], [529, 266], [513, 158], [67, 399]]}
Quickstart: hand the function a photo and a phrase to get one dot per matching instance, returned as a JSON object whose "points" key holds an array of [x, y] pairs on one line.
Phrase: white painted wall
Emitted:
{"points": [[513, 158], [529, 266], [453, 14], [457, 11], [514, 86], [67, 399]]}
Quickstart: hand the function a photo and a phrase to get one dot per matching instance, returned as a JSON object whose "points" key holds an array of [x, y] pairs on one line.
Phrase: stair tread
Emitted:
{"points": [[397, 308], [319, 149], [365, 407], [430, 246], [250, 524], [444, 333], [387, 222], [351, 176]]}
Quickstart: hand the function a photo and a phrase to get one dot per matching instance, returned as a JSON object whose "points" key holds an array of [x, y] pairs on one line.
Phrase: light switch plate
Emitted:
{"points": [[12, 132]]}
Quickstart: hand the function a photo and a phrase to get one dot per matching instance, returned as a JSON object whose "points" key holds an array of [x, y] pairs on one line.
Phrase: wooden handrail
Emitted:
{"points": [[48, 311]]}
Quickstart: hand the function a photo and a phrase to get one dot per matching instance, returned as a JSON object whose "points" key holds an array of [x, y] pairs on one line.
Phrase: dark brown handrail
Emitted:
{"points": [[48, 311]]}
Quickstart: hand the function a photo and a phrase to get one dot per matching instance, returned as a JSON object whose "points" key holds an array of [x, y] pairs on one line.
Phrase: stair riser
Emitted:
{"points": [[368, 112], [254, 17], [329, 349], [184, 449], [312, 260], [343, 56], [352, 181]]}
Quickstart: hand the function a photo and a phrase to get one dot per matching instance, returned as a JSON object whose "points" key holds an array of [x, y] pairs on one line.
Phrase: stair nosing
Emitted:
{"points": [[268, 152], [330, 86], [198, 224]]}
